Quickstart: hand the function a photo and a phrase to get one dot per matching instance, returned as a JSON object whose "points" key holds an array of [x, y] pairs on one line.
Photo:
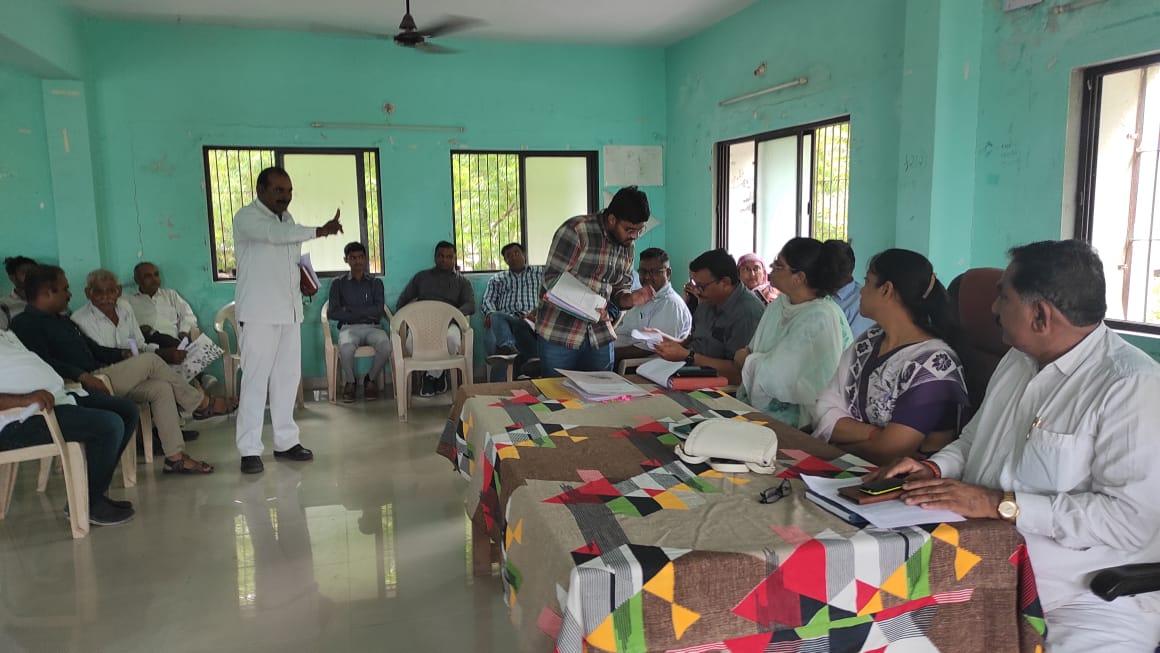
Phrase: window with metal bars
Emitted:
{"points": [[323, 179], [1118, 210], [500, 197], [781, 184]]}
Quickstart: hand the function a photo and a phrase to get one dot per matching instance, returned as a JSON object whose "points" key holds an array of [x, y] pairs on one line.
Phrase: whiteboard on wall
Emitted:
{"points": [[633, 165]]}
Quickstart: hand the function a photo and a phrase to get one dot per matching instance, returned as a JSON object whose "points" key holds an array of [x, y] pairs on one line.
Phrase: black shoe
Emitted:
{"points": [[427, 388], [506, 350], [252, 465], [297, 452], [190, 436], [103, 513], [443, 383], [116, 503], [348, 393]]}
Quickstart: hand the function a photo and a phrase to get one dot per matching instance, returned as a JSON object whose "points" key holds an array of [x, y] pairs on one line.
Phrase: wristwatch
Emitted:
{"points": [[1008, 509], [689, 358]]}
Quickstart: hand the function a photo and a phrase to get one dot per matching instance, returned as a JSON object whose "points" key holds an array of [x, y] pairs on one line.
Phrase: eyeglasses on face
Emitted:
{"points": [[699, 286], [775, 493], [649, 272], [779, 265]]}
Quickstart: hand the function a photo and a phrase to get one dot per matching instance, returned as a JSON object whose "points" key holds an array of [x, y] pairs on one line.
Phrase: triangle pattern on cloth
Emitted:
{"points": [[683, 618], [663, 583]]}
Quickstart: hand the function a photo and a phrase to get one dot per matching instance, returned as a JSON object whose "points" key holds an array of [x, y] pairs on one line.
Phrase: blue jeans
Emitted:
{"points": [[585, 359], [511, 331]]}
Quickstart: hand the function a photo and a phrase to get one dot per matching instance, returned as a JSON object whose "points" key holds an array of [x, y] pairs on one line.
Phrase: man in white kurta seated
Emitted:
{"points": [[110, 321], [666, 311], [1064, 447], [164, 315]]}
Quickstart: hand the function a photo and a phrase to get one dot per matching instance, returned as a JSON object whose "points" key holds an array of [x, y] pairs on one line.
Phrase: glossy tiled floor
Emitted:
{"points": [[364, 549]]}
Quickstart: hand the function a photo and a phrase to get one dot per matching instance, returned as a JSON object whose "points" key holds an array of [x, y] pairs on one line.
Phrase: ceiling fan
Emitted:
{"points": [[410, 36]]}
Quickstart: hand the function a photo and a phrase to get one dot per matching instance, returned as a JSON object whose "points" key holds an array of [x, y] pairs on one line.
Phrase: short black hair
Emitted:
{"points": [[353, 246], [264, 175], [719, 263], [1068, 274], [817, 260], [655, 254], [845, 255], [137, 268], [38, 278], [443, 244], [503, 252], [630, 204], [12, 264]]}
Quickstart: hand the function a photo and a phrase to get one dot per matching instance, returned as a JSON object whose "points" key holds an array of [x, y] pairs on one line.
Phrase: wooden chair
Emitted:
{"points": [[76, 476], [232, 352], [331, 353], [427, 322]]}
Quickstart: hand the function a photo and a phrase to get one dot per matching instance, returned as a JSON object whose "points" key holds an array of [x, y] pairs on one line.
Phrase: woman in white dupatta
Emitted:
{"points": [[899, 390], [795, 350]]}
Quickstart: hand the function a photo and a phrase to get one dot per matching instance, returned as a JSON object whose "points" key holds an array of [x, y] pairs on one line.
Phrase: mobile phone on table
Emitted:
{"points": [[881, 486]]}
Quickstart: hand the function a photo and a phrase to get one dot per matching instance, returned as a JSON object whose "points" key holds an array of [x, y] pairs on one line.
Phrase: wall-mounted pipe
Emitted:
{"points": [[800, 81]]}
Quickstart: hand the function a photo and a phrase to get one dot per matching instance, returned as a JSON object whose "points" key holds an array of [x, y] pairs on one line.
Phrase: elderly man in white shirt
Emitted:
{"points": [[666, 311], [1064, 447], [268, 246], [165, 317], [110, 321]]}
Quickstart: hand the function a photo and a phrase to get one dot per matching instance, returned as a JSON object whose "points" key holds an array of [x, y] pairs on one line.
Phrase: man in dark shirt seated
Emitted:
{"points": [[725, 320], [442, 283], [144, 378], [356, 303]]}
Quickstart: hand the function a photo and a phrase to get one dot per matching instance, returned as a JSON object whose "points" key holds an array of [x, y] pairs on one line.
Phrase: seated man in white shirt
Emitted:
{"points": [[13, 304], [102, 423], [666, 311], [110, 322], [1064, 447], [165, 317]]}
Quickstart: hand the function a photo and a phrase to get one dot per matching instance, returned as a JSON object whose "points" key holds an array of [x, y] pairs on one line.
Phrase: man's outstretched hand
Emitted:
{"points": [[330, 228]]}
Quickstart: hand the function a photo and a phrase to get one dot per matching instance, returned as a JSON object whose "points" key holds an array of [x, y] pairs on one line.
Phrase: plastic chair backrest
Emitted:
{"points": [[327, 335], [227, 316], [428, 321]]}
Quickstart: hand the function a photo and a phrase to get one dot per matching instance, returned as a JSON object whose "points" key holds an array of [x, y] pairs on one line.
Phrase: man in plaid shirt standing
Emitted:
{"points": [[597, 250], [511, 297]]}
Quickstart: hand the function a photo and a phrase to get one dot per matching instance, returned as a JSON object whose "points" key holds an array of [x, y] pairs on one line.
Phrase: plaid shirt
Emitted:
{"points": [[582, 247], [514, 294]]}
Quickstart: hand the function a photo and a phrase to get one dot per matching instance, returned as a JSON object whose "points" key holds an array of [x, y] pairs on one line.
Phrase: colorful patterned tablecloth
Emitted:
{"points": [[610, 543]]}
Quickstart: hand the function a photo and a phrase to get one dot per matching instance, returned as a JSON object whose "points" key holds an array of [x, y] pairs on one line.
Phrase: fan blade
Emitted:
{"points": [[431, 48], [451, 24], [320, 28]]}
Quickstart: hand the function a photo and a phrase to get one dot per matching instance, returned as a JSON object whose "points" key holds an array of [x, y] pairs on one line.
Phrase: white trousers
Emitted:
{"points": [[1090, 624], [271, 363]]}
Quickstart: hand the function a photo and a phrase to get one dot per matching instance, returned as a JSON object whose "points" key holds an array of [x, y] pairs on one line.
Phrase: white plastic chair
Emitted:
{"points": [[232, 355], [331, 353], [128, 457], [76, 476], [427, 321]]}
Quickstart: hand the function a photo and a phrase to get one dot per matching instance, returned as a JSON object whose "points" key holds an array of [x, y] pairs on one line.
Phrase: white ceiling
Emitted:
{"points": [[636, 22]]}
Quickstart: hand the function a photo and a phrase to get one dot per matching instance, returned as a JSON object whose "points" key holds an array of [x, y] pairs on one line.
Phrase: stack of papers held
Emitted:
{"points": [[575, 298], [888, 514], [601, 386]]}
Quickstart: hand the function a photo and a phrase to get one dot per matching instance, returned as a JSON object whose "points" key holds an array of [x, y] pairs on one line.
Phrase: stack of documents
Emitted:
{"points": [[888, 514], [601, 386], [576, 299]]}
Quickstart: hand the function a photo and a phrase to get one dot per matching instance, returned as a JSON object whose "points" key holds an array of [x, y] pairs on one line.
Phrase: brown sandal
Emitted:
{"points": [[187, 465], [215, 407]]}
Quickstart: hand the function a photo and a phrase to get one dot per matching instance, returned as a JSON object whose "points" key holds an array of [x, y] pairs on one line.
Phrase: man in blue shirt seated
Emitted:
{"points": [[356, 303], [849, 295], [511, 297]]}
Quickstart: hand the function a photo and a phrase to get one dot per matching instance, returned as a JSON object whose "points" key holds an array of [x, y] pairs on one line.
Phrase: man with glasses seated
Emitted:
{"points": [[726, 317], [665, 312]]}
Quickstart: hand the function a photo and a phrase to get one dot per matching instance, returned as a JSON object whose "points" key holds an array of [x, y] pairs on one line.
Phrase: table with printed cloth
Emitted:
{"points": [[609, 542]]}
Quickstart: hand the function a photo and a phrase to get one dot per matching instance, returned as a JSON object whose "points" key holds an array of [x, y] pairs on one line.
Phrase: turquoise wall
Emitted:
{"points": [[205, 85], [852, 58], [40, 37], [26, 205]]}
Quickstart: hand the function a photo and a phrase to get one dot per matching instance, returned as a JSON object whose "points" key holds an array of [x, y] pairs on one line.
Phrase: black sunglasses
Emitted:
{"points": [[775, 493]]}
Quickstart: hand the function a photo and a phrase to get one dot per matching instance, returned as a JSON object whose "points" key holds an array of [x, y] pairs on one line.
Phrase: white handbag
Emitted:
{"points": [[731, 446]]}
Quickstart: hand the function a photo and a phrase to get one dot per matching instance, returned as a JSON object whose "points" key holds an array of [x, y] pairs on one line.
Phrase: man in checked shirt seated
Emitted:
{"points": [[511, 297]]}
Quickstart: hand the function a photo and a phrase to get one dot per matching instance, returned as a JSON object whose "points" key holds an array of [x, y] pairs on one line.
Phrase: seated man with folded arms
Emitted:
{"points": [[144, 378], [665, 312], [164, 316], [356, 303], [725, 320], [510, 298], [109, 320], [442, 283], [13, 304], [1064, 447], [102, 423]]}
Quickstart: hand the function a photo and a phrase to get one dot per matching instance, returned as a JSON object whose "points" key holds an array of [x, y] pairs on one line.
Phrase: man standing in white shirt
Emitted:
{"points": [[165, 317], [666, 311], [1064, 447], [268, 246]]}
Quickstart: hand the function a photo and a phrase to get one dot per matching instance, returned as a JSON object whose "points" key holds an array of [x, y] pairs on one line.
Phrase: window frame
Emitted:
{"points": [[592, 163], [1088, 155], [279, 158], [721, 221]]}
